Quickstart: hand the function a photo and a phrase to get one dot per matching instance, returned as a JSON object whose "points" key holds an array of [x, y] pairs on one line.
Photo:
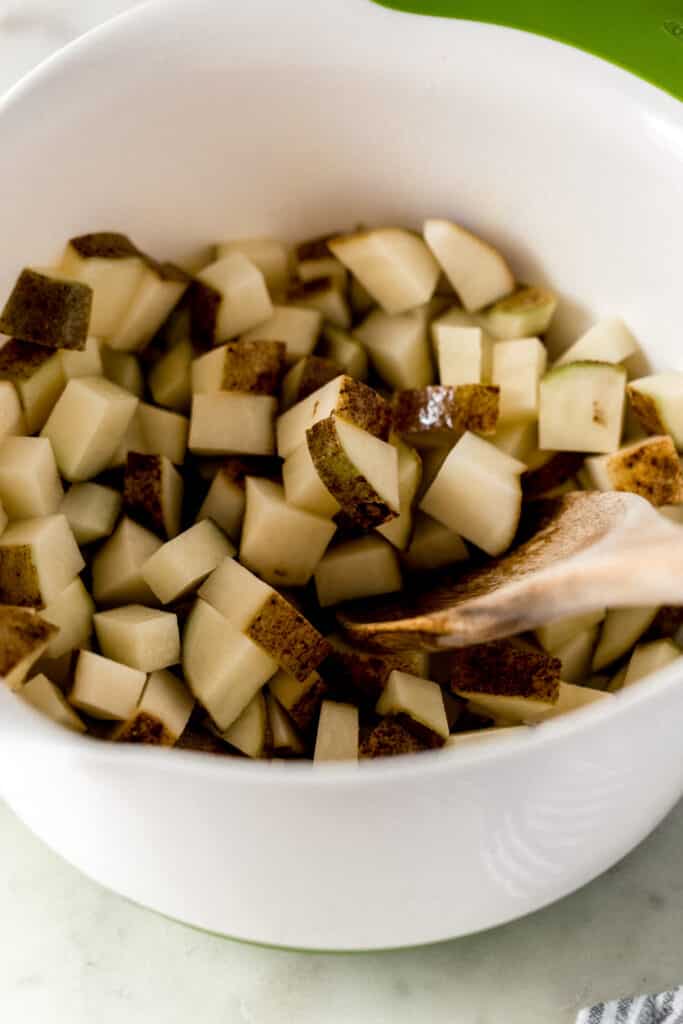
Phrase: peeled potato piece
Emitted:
{"points": [[284, 739], [44, 696], [160, 289], [272, 257], [398, 346], [29, 481], [249, 732], [517, 369], [393, 265], [232, 423], [433, 546], [181, 564], [86, 362], [297, 327], [357, 568], [143, 638], [327, 295], [24, 637], [608, 341], [477, 271], [398, 531], [464, 351], [39, 558], [113, 268], [162, 713], [91, 510], [169, 379], [104, 688], [303, 485], [226, 499], [419, 705], [337, 737], [117, 566], [582, 407], [123, 369], [72, 612], [38, 375], [234, 299], [345, 351]]}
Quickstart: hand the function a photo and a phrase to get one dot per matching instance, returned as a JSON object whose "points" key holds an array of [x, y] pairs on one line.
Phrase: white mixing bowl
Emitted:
{"points": [[187, 121]]}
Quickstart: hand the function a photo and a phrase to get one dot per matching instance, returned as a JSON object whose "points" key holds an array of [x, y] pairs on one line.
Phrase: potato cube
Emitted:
{"points": [[12, 422], [225, 500], [298, 328], [281, 543], [163, 432], [104, 688], [249, 732], [91, 510], [233, 300], [38, 376], [24, 637], [301, 699], [42, 694], [232, 423], [394, 265], [303, 485], [153, 493], [477, 271], [143, 638], [87, 424], [114, 268], [224, 668], [338, 731], [357, 568], [419, 705], [272, 257], [159, 291], [248, 366], [169, 380], [39, 558], [72, 612], [327, 295], [284, 739], [398, 347], [437, 416], [47, 309], [29, 481], [123, 369], [117, 566], [182, 563], [162, 713], [84, 363]]}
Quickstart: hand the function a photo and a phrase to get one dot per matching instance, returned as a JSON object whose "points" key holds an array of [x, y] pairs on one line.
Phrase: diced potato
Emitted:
{"points": [[297, 327], [47, 309], [608, 341], [517, 370], [91, 511], [347, 399], [225, 502], [649, 658], [273, 258], [524, 314], [582, 407], [87, 424], [433, 546], [301, 699], [650, 468], [570, 698], [344, 350], [398, 347], [162, 713], [477, 271], [284, 739], [506, 679], [38, 375], [72, 612], [114, 268], [29, 481], [86, 362], [338, 733], [182, 563], [231, 423], [326, 295], [304, 487], [305, 377], [169, 380], [266, 618], [516, 439], [159, 291], [576, 655], [255, 367], [58, 670], [44, 696], [392, 264], [39, 558], [153, 493], [132, 441], [223, 667], [464, 352], [316, 269], [622, 628], [437, 416], [419, 704], [477, 494], [143, 638], [164, 432], [398, 531], [360, 471], [555, 634], [249, 732], [357, 568], [24, 637], [12, 422], [117, 566], [360, 299], [239, 298], [106, 689], [123, 369], [390, 738], [657, 401], [281, 543]]}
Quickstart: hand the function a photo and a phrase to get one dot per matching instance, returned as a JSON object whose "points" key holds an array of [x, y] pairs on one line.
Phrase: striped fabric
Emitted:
{"points": [[666, 1008]]}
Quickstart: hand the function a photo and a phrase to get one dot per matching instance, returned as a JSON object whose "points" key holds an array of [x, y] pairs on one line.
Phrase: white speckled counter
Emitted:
{"points": [[71, 953]]}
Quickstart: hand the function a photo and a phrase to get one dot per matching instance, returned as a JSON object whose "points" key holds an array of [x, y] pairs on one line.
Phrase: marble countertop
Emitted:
{"points": [[73, 953]]}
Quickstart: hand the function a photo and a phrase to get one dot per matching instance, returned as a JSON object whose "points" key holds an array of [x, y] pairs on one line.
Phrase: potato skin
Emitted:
{"points": [[49, 312]]}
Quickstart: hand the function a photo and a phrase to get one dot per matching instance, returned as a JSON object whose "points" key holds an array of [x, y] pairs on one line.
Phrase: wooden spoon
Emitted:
{"points": [[584, 551]]}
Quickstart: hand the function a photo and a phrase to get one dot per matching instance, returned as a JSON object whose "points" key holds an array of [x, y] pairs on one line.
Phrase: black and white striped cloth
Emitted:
{"points": [[666, 1008]]}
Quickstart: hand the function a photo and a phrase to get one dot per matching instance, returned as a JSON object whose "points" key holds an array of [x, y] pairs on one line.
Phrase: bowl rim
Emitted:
{"points": [[40, 731]]}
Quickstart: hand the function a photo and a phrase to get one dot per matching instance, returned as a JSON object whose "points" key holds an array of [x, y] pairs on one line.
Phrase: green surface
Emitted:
{"points": [[643, 36]]}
